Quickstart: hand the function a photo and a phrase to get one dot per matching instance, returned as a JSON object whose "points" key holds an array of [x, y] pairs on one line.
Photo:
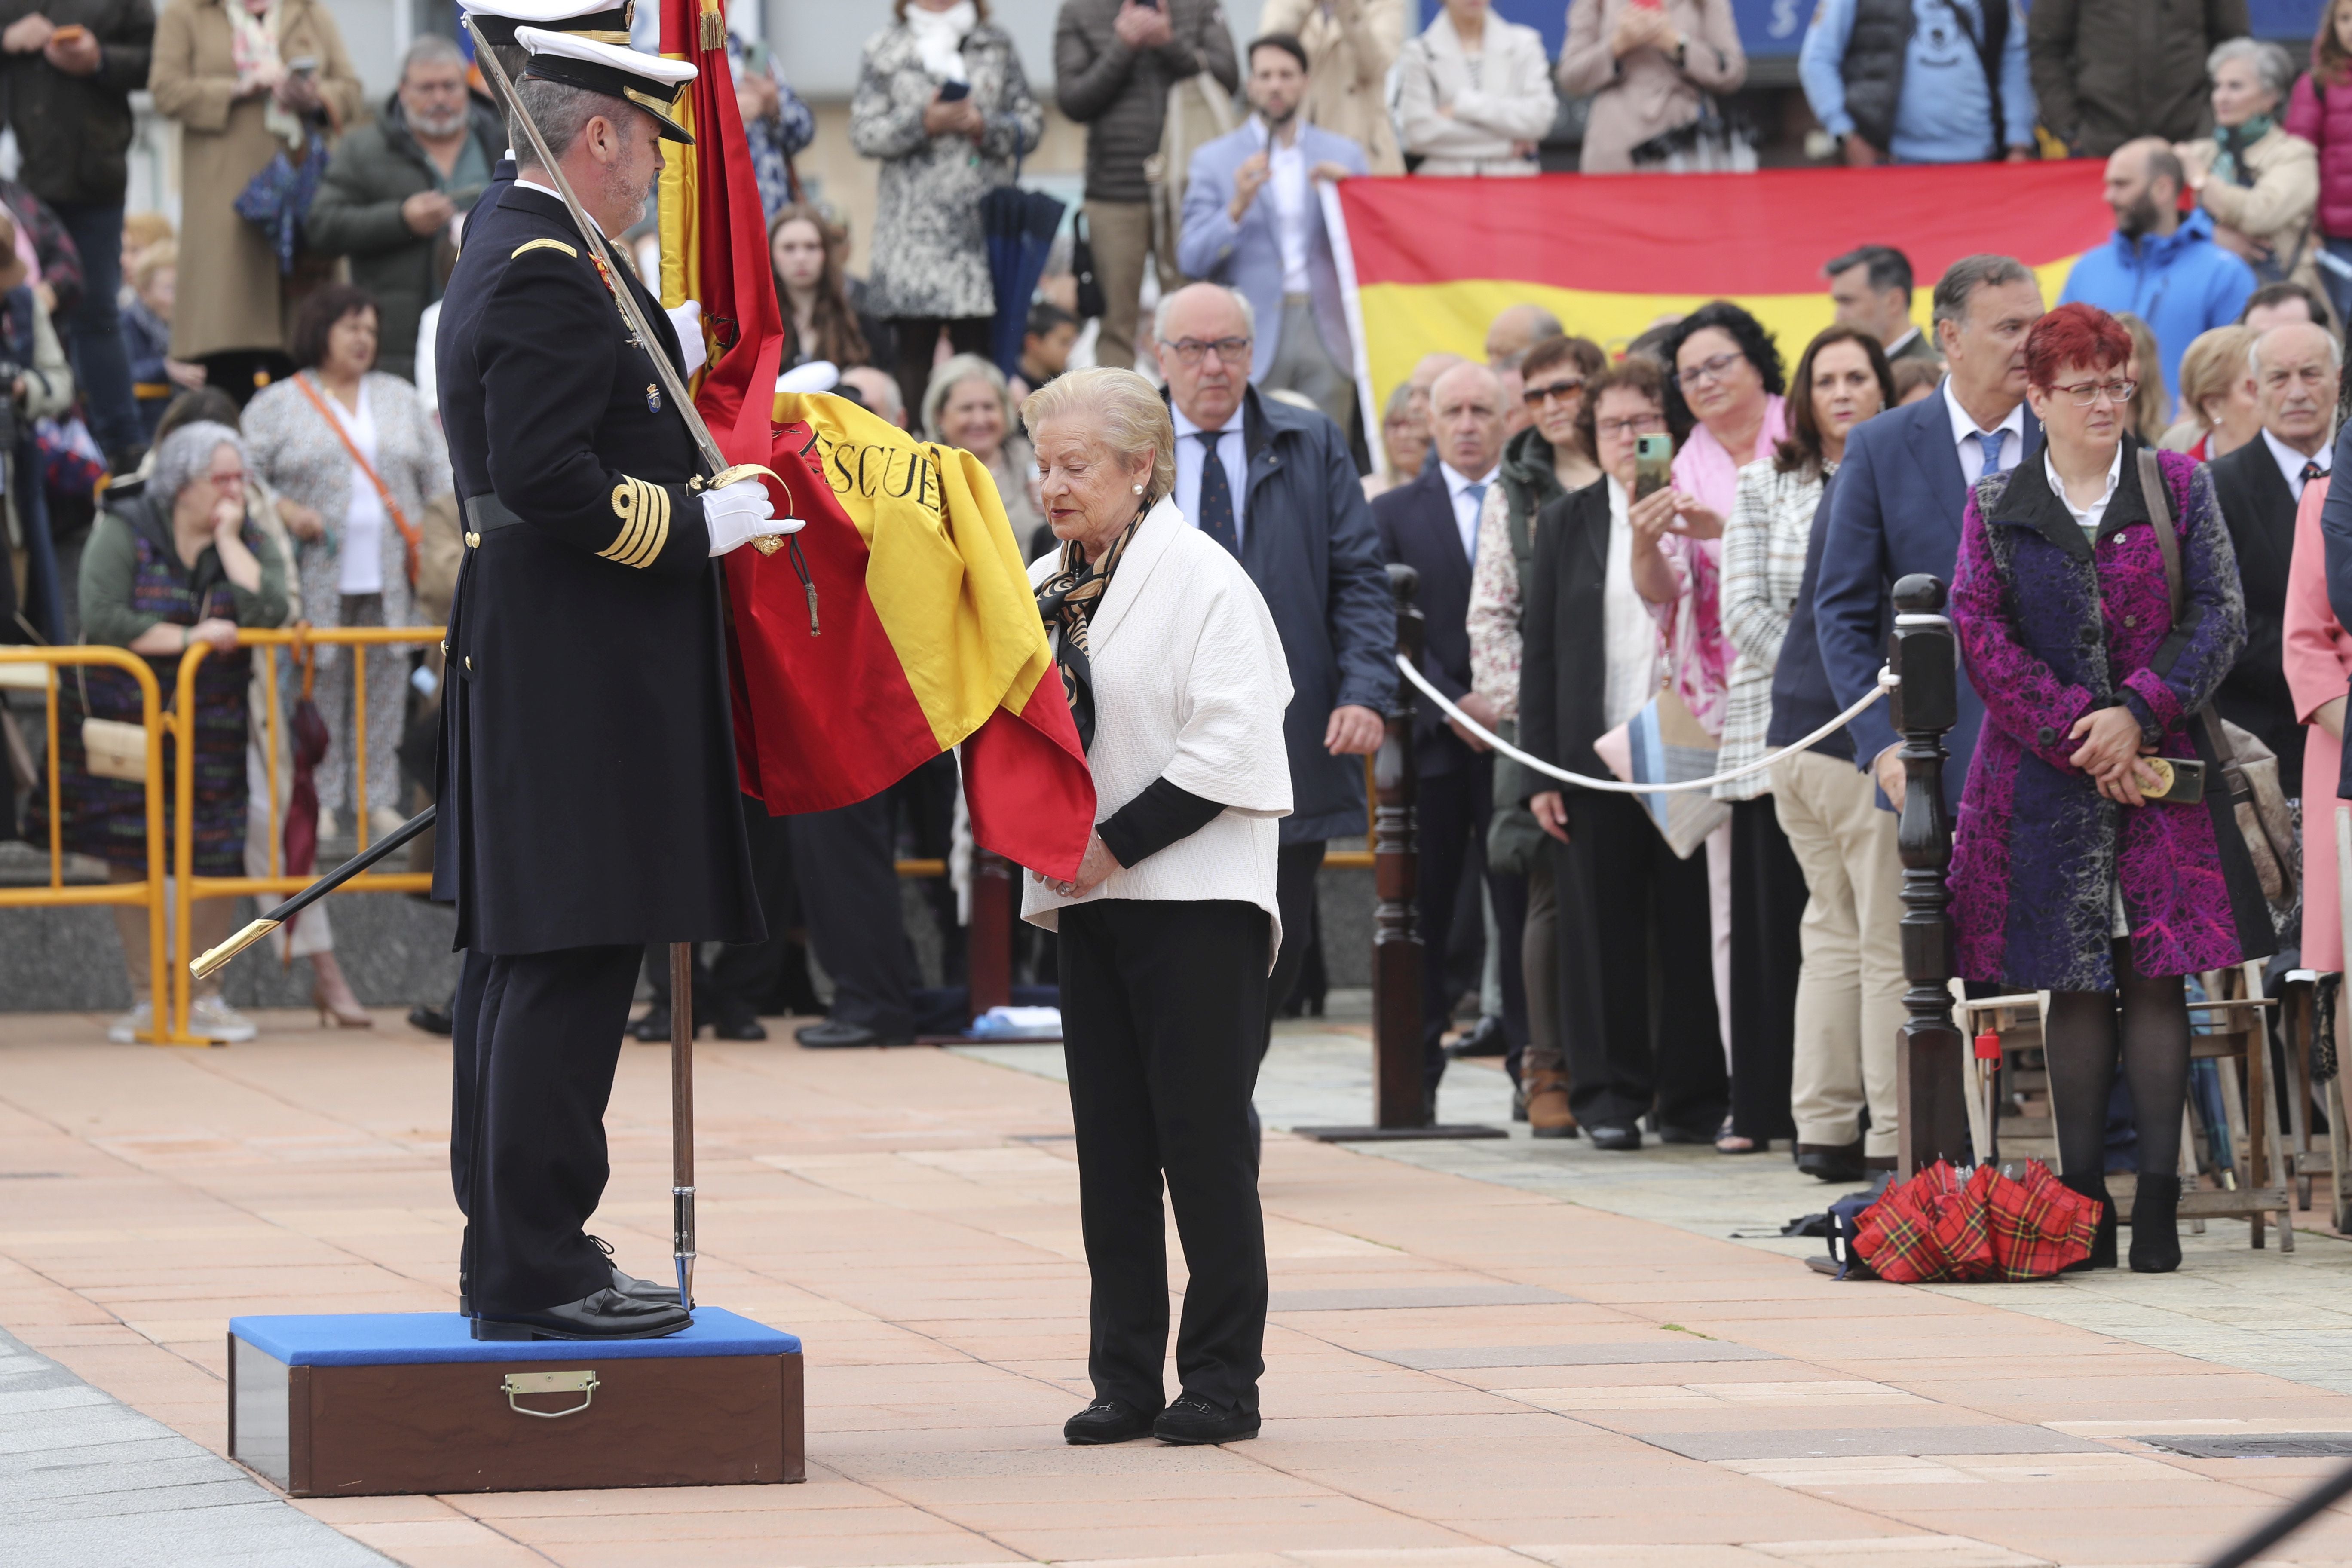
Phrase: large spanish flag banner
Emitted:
{"points": [[924, 636], [1435, 260]]}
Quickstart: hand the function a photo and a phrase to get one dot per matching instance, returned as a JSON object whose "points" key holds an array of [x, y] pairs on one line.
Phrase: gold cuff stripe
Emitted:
{"points": [[644, 511], [544, 244]]}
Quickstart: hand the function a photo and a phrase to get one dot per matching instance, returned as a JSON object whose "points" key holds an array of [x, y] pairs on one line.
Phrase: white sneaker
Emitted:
{"points": [[210, 1018], [126, 1030]]}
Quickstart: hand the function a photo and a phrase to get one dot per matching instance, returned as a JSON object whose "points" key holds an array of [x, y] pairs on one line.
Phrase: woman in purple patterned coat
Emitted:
{"points": [[2065, 877]]}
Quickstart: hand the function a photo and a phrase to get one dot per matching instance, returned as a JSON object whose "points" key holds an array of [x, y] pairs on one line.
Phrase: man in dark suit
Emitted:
{"points": [[585, 627], [2296, 369], [1284, 496], [1896, 506], [1431, 525]]}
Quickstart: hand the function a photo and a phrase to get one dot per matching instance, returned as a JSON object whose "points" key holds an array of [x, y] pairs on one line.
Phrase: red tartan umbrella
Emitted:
{"points": [[309, 749], [1940, 1226]]}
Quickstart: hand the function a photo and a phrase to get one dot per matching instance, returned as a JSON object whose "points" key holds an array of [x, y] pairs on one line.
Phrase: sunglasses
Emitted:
{"points": [[1565, 390]]}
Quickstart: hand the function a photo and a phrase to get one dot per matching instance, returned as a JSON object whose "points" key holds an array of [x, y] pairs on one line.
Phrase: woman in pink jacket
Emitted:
{"points": [[2318, 656], [2319, 111]]}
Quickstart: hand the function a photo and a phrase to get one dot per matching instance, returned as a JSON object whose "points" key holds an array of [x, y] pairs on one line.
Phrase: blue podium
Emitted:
{"points": [[370, 1403]]}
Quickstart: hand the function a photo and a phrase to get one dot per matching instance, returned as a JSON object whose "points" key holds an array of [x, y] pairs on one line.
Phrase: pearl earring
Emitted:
{"points": [[1138, 489]]}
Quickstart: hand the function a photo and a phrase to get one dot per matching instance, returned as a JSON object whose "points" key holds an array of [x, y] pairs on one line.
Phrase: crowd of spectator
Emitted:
{"points": [[249, 386]]}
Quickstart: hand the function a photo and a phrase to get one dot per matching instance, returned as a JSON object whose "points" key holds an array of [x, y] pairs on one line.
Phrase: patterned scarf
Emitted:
{"points": [[1066, 601], [2231, 142]]}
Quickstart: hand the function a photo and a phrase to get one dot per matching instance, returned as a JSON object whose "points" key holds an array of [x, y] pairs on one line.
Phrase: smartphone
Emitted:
{"points": [[954, 91], [1654, 460]]}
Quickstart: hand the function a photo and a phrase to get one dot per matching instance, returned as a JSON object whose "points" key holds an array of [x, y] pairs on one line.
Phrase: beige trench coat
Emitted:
{"points": [[2269, 219], [230, 296], [1646, 92], [1351, 45]]}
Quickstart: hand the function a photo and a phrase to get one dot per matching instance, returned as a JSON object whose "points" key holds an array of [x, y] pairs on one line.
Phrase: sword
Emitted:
{"points": [[255, 930], [722, 471]]}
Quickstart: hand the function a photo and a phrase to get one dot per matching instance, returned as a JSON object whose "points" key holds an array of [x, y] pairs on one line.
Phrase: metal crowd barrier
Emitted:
{"points": [[187, 887], [41, 664]]}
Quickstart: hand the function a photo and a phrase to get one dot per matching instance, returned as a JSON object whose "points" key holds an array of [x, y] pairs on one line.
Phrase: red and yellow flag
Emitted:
{"points": [[929, 638], [1435, 260]]}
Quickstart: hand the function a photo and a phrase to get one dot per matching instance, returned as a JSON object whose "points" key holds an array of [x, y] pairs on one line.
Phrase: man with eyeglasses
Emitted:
{"points": [[1431, 525], [2259, 486], [1253, 220], [1893, 506], [1274, 484]]}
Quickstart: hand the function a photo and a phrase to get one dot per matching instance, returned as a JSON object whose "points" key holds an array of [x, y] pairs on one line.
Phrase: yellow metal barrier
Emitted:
{"points": [[150, 892], [189, 887]]}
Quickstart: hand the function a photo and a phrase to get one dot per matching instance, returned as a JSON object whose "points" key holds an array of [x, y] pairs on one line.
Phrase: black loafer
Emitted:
{"points": [[431, 1020], [1669, 1134], [743, 1029], [606, 1315], [1192, 1419], [1108, 1421], [1831, 1162], [832, 1036], [1623, 1137]]}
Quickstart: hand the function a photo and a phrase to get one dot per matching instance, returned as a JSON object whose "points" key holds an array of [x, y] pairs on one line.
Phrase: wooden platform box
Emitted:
{"points": [[370, 1404]]}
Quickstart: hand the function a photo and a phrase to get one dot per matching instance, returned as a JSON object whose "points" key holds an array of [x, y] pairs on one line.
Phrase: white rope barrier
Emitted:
{"points": [[1887, 681]]}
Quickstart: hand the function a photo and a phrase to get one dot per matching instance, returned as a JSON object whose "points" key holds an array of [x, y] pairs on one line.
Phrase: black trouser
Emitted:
{"points": [[1454, 810], [919, 345], [847, 864], [1768, 906], [1162, 1009], [729, 988], [1296, 866], [537, 1035], [1637, 971]]}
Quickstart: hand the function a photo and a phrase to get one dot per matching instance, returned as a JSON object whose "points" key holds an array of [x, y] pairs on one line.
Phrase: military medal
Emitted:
{"points": [[653, 399]]}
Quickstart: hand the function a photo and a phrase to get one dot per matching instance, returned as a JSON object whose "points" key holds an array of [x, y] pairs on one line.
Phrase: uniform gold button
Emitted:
{"points": [[470, 664], [445, 647], [473, 542]]}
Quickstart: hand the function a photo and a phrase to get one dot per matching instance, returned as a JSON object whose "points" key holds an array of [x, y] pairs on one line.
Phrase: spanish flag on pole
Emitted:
{"points": [[928, 636], [1432, 261]]}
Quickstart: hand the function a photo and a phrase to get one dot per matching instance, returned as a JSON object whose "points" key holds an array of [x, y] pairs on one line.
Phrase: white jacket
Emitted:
{"points": [[1189, 682], [1513, 101]]}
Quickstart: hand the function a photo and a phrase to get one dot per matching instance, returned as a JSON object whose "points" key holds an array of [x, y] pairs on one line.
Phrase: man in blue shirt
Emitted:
{"points": [[2162, 267], [1926, 81]]}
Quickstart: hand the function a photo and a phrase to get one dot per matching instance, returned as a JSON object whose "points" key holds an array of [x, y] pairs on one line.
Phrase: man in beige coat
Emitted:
{"points": [[233, 301]]}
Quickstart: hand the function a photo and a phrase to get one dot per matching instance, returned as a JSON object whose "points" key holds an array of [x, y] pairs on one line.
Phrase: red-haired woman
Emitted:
{"points": [[2065, 878]]}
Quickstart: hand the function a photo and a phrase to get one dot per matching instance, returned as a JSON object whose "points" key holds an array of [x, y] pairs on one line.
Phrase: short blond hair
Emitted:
{"points": [[153, 259], [1122, 408], [2212, 360]]}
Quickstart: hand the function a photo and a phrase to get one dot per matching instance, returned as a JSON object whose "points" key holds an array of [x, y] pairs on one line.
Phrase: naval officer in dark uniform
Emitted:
{"points": [[587, 777]]}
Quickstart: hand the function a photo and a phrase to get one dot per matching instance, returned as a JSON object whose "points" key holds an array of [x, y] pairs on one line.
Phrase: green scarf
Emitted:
{"points": [[2231, 141]]}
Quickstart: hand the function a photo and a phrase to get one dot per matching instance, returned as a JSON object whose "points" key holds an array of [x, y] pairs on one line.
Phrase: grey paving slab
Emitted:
{"points": [[1640, 1354], [1870, 1442], [1408, 1296], [87, 1482]]}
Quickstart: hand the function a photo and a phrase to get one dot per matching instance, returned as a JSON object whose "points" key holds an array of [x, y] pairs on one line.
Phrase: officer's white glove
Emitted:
{"points": [[737, 514], [687, 319]]}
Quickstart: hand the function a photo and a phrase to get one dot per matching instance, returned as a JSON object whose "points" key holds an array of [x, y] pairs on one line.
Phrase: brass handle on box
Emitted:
{"points": [[583, 1384]]}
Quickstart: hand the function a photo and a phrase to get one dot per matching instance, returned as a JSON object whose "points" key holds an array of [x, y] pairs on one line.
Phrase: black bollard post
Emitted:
{"points": [[1398, 956], [1929, 1082]]}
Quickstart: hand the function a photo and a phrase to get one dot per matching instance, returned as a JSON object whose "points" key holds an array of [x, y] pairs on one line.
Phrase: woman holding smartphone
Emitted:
{"points": [[942, 101], [2066, 876]]}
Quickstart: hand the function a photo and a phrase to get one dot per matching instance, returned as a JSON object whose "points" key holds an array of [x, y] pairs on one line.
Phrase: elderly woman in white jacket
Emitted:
{"points": [[1176, 679]]}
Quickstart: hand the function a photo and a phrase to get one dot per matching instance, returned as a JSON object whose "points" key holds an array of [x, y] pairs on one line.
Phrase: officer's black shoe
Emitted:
{"points": [[431, 1019], [743, 1029], [1108, 1421], [836, 1035], [629, 1285], [1192, 1419], [606, 1315]]}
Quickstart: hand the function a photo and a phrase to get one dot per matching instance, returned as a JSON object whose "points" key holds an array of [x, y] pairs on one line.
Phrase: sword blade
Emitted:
{"points": [[681, 1116]]}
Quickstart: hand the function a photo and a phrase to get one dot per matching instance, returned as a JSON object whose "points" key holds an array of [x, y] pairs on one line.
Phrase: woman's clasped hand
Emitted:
{"points": [[2111, 753]]}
